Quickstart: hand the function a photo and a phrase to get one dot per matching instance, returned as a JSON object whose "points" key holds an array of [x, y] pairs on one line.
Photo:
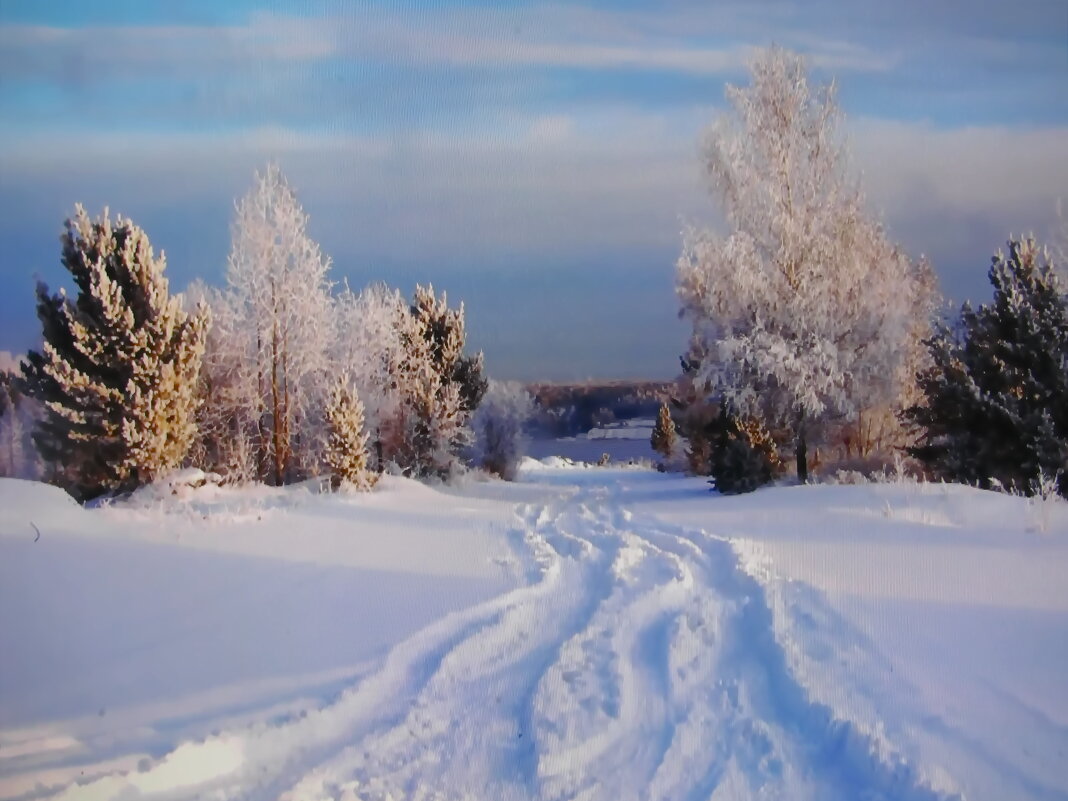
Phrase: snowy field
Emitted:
{"points": [[586, 633]]}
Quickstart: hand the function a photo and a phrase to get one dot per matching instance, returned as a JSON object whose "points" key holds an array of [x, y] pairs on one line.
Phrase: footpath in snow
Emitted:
{"points": [[600, 634]]}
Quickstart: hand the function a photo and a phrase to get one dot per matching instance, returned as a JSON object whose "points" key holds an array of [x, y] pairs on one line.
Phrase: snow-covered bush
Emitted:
{"points": [[116, 377], [804, 311], [995, 410], [346, 445], [498, 425]]}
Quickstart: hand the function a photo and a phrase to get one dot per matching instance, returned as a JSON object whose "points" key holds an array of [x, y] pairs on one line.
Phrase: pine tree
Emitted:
{"points": [[435, 408], [996, 397], [743, 454], [445, 331], [664, 438], [118, 371], [346, 447]]}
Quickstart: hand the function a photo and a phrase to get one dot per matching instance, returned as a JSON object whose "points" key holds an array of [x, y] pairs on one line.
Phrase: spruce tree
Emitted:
{"points": [[743, 455], [117, 374], [996, 397], [438, 385], [346, 446], [664, 438], [444, 330]]}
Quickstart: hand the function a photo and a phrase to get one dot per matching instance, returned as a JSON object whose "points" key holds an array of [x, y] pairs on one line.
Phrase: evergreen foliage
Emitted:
{"points": [[117, 374], [743, 454], [444, 329], [996, 397], [664, 438], [346, 446], [435, 404]]}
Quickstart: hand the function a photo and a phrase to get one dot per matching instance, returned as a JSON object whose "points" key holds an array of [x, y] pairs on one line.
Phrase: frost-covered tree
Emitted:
{"points": [[437, 385], [369, 346], [407, 362], [664, 438], [18, 456], [117, 374], [346, 445], [431, 424], [801, 311], [445, 330], [227, 414], [498, 425], [996, 398], [273, 330]]}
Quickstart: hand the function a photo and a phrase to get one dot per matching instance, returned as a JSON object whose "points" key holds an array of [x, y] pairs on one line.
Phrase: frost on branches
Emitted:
{"points": [[439, 387], [116, 377], [498, 425], [995, 408], [345, 453], [407, 363], [268, 351], [18, 456], [368, 345], [801, 312]]}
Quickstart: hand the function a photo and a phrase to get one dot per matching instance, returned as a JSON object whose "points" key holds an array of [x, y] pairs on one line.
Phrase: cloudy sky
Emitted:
{"points": [[536, 160]]}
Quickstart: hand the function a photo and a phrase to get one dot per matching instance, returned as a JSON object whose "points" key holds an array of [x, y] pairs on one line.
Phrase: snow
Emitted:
{"points": [[588, 632]]}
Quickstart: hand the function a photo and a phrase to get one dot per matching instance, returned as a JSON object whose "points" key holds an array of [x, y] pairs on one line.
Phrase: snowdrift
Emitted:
{"points": [[597, 633]]}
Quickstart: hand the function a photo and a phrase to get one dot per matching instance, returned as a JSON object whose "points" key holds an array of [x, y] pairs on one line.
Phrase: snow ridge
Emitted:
{"points": [[639, 662]]}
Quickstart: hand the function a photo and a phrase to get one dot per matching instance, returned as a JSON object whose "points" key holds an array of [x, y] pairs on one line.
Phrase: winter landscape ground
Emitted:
{"points": [[583, 633]]}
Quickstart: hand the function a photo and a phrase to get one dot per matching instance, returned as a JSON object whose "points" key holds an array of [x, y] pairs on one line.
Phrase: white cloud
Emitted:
{"points": [[77, 55], [541, 36], [546, 189]]}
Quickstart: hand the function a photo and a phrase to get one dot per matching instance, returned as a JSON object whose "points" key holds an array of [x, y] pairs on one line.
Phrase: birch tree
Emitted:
{"points": [[276, 325], [368, 345], [800, 311]]}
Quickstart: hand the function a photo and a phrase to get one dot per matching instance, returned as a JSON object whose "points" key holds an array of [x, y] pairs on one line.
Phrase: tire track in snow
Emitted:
{"points": [[640, 663]]}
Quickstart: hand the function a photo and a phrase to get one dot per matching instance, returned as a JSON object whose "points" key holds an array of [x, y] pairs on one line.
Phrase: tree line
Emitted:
{"points": [[274, 377], [815, 341]]}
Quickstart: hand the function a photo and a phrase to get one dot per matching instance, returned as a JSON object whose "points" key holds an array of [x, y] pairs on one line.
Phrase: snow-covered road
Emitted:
{"points": [[638, 659]]}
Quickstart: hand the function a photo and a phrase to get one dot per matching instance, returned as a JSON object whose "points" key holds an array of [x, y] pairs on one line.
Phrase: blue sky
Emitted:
{"points": [[536, 160]]}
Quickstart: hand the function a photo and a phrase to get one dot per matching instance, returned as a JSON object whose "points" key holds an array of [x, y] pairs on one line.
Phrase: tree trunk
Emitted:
{"points": [[802, 449], [276, 421]]}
